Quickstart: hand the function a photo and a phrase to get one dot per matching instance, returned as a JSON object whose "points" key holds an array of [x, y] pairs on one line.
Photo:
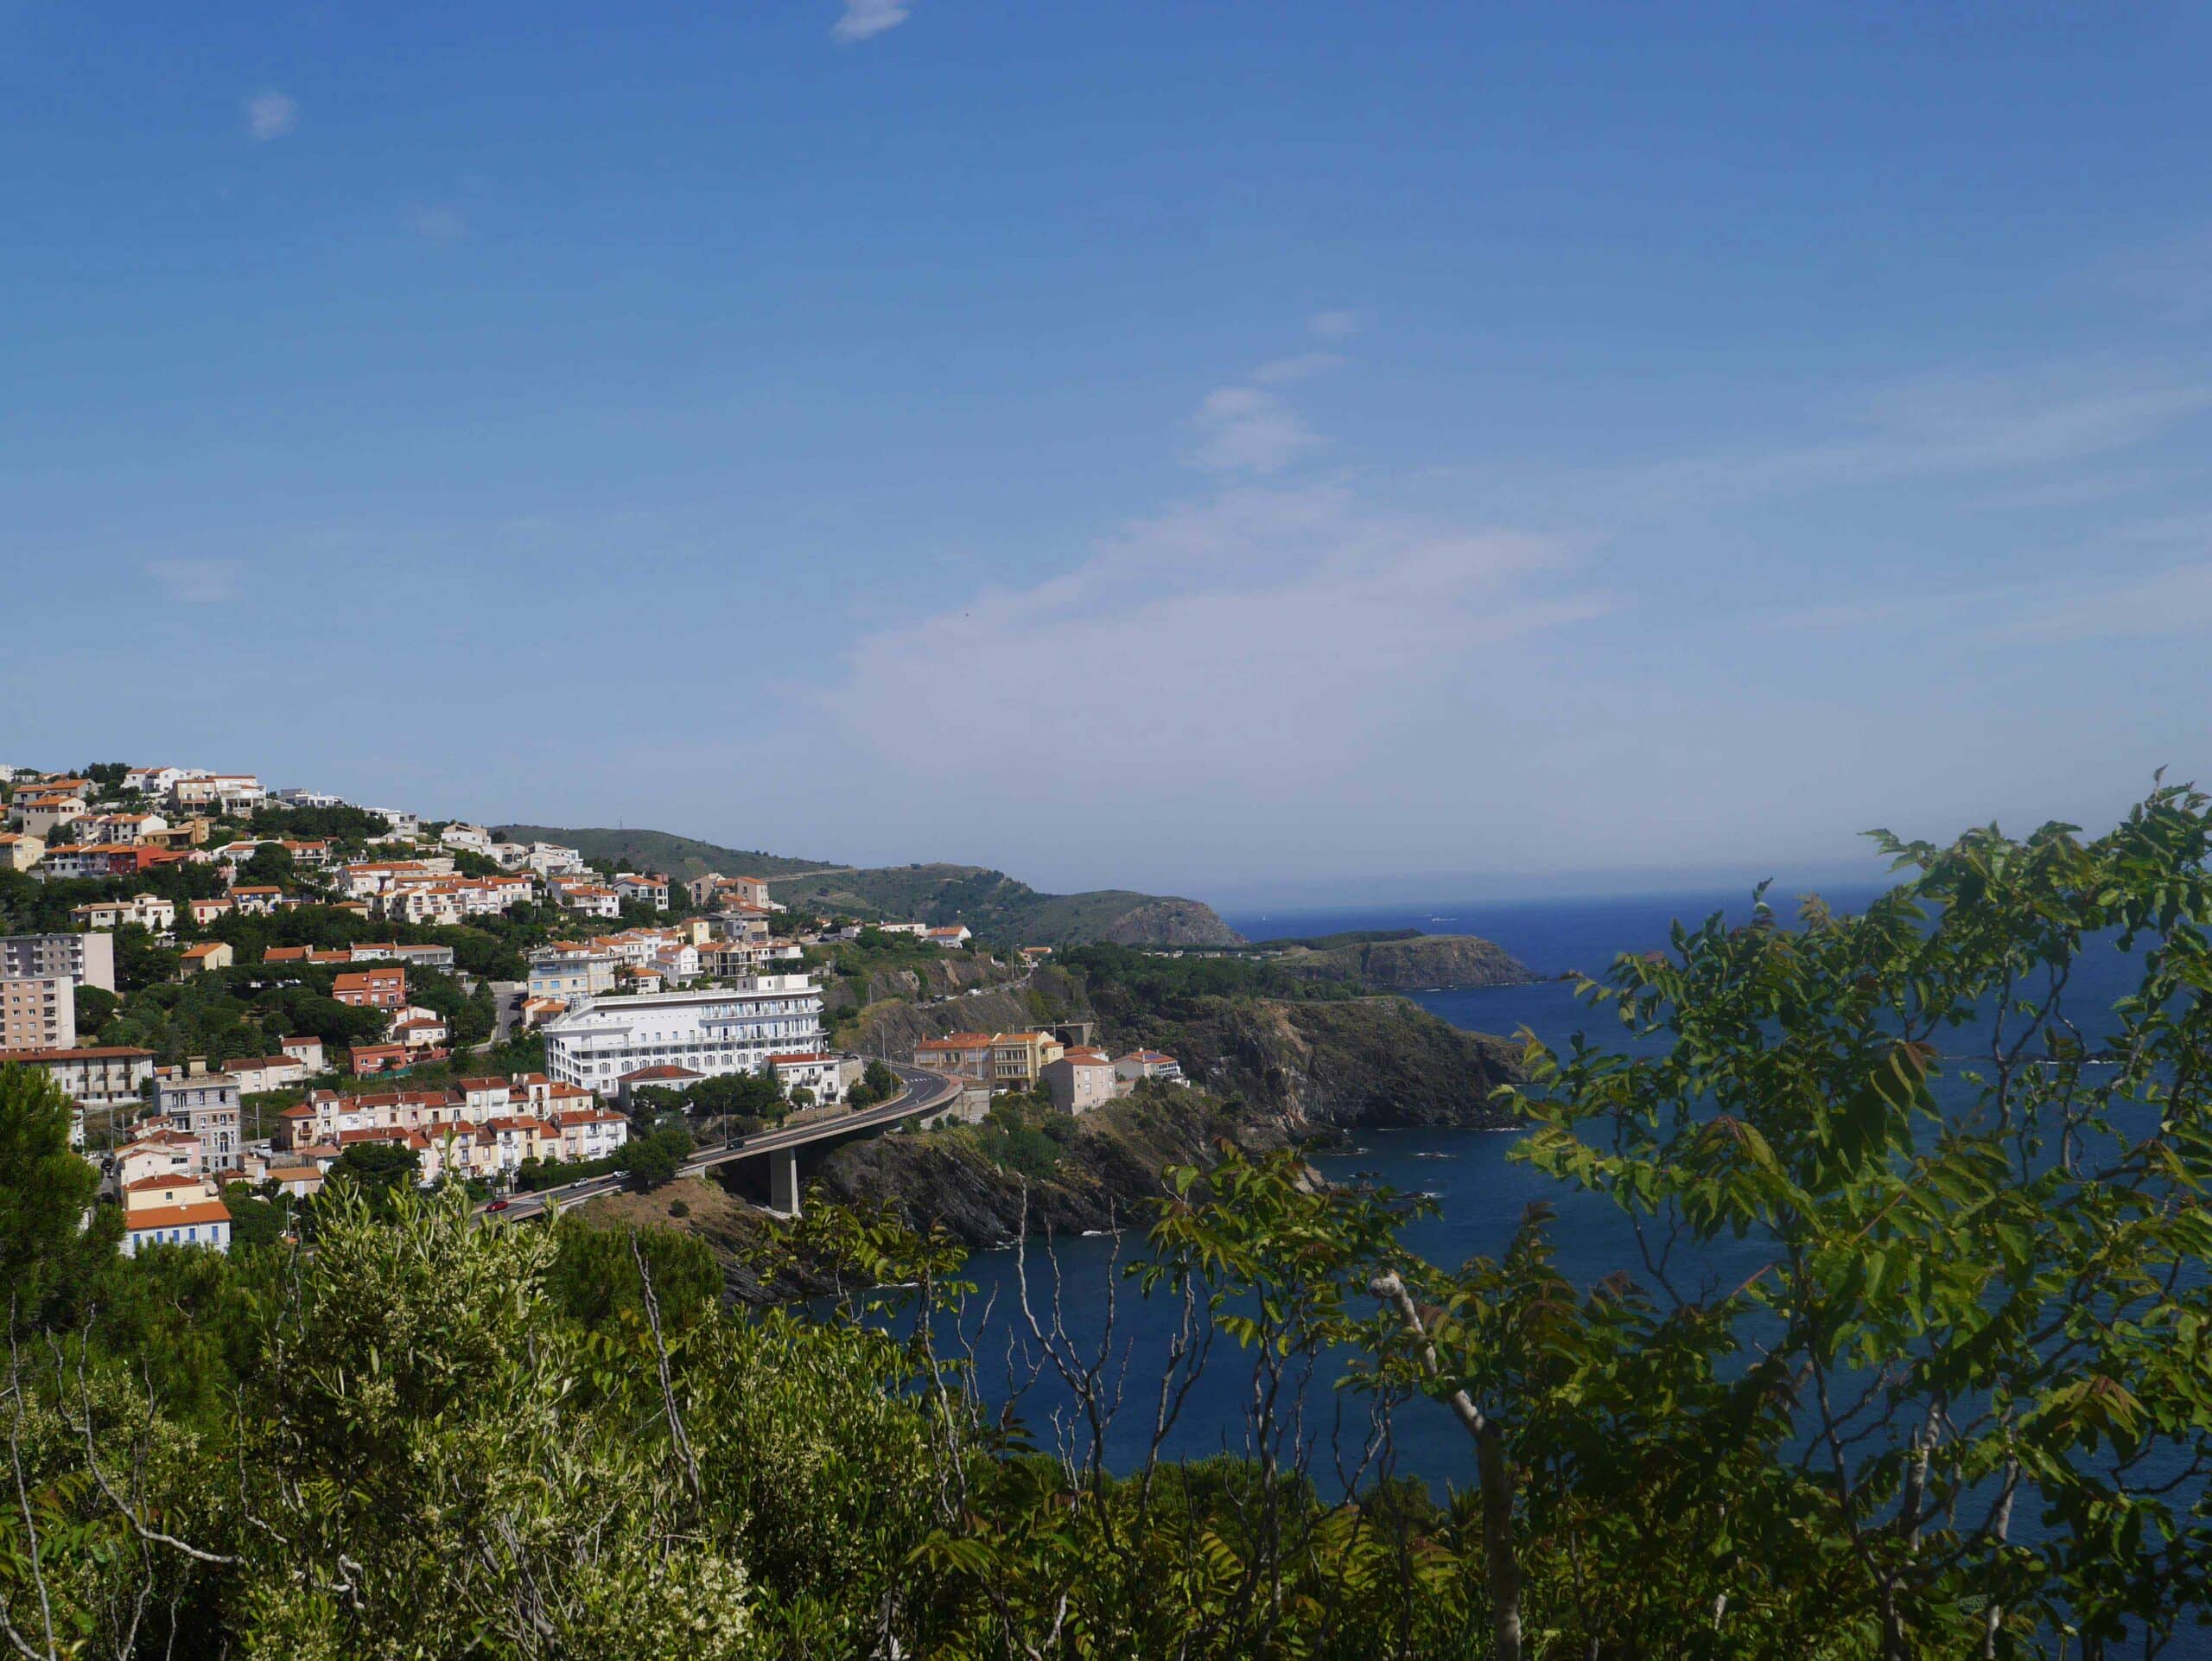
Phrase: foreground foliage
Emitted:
{"points": [[1906, 1357]]}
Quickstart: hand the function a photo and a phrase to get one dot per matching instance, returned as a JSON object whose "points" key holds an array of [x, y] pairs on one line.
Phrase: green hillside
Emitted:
{"points": [[998, 908], [681, 857], [990, 902]]}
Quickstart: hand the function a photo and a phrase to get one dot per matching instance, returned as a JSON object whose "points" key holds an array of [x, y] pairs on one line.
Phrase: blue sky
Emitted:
{"points": [[1245, 449]]}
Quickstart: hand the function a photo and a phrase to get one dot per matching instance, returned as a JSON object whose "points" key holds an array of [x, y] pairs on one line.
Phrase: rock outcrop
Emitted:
{"points": [[1170, 923], [1421, 962], [1336, 1062]]}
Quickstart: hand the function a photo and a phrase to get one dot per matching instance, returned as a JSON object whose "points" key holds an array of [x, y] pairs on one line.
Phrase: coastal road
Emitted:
{"points": [[926, 1092]]}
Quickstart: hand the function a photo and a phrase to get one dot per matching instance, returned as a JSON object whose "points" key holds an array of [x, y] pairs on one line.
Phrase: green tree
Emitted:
{"points": [[378, 1173], [654, 1157], [46, 1189], [256, 1220], [96, 1006], [877, 1084], [1971, 1212], [271, 862], [600, 1280]]}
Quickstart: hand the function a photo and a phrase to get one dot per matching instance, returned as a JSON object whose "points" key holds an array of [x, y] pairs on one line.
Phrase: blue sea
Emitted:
{"points": [[1479, 1192]]}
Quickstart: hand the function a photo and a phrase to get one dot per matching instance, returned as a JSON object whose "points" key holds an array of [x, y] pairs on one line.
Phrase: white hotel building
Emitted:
{"points": [[714, 1030]]}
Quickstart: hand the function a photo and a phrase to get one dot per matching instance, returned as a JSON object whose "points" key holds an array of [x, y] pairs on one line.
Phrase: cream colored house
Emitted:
{"points": [[208, 954], [1080, 1080]]}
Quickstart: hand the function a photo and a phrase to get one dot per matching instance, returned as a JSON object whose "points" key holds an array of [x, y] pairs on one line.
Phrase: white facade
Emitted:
{"points": [[587, 898], [149, 911], [472, 838], [154, 781], [551, 859], [714, 1031]]}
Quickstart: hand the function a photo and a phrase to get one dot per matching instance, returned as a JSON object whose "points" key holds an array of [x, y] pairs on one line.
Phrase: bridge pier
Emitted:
{"points": [[783, 1182]]}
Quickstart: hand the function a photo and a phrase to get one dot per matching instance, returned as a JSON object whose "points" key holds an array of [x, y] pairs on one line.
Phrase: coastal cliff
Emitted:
{"points": [[1418, 963], [978, 1182], [1311, 1057], [1335, 1062]]}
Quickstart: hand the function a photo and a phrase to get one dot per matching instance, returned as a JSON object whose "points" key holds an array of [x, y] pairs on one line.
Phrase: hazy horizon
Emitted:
{"points": [[1215, 450]]}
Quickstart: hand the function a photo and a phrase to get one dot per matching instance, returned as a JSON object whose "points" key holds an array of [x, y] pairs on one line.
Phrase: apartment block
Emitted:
{"points": [[712, 1031], [205, 1106], [87, 959], [37, 1012]]}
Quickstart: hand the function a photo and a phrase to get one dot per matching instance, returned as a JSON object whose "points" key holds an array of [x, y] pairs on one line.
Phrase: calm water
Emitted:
{"points": [[1479, 1192]]}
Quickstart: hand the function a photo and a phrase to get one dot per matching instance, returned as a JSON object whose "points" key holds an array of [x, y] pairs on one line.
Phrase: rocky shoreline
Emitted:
{"points": [[1267, 1072]]}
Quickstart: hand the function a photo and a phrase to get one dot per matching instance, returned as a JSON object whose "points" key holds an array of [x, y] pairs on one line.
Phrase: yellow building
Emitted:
{"points": [[209, 954], [1018, 1059]]}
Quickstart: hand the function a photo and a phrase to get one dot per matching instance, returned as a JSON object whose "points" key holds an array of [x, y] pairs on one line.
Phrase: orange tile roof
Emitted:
{"points": [[155, 1217]]}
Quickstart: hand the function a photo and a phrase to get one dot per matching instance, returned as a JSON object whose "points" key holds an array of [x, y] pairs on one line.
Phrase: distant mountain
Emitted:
{"points": [[681, 857], [990, 902]]}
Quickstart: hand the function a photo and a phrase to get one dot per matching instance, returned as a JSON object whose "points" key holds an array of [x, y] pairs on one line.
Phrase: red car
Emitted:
{"points": [[498, 1205]]}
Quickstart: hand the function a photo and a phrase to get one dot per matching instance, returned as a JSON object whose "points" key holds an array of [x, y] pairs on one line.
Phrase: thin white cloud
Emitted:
{"points": [[271, 115], [437, 222], [1939, 426], [2171, 279], [1333, 325], [863, 20], [1246, 430], [196, 582], [2172, 602], [1263, 636], [1283, 371]]}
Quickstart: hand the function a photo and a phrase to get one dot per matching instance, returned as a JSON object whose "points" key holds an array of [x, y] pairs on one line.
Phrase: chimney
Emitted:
{"points": [[196, 1067]]}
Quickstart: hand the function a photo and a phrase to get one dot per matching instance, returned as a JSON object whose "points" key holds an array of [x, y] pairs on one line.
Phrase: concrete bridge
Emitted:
{"points": [[926, 1093]]}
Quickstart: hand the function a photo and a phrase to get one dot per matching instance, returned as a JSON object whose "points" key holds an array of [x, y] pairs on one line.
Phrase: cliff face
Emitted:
{"points": [[893, 1024], [1425, 963], [1109, 1168], [953, 1177], [1378, 1060]]}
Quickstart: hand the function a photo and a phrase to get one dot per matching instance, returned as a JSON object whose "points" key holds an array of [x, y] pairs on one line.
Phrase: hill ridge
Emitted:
{"points": [[992, 904]]}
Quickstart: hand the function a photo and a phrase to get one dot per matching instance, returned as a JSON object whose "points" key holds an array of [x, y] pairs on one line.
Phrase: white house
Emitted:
{"points": [[812, 1070], [1147, 1063], [645, 888], [259, 1073], [591, 1133], [194, 1223], [470, 838], [551, 859], [149, 911], [587, 898], [154, 781]]}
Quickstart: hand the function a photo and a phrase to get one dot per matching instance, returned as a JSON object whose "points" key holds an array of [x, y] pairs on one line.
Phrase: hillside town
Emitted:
{"points": [[242, 989]]}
